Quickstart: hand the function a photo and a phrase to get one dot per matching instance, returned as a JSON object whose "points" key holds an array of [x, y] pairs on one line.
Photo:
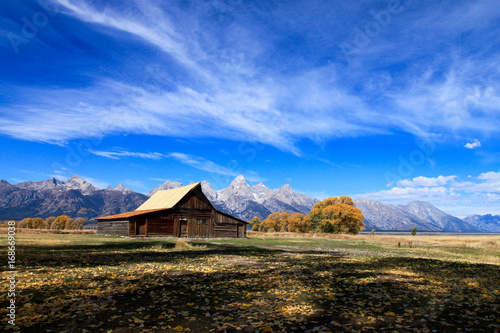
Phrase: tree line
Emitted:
{"points": [[62, 222], [332, 215]]}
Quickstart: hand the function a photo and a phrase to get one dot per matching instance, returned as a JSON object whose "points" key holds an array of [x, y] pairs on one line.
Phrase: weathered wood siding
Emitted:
{"points": [[193, 217], [119, 228], [226, 226], [226, 230], [194, 200], [132, 228], [242, 230]]}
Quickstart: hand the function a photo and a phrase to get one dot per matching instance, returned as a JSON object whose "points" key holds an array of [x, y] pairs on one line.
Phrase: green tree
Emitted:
{"points": [[336, 215], [414, 231]]}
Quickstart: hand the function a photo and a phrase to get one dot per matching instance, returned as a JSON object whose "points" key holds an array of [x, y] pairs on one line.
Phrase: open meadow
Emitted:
{"points": [[265, 283]]}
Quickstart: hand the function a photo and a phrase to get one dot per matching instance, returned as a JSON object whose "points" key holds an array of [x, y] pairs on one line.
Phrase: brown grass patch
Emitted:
{"points": [[4, 230]]}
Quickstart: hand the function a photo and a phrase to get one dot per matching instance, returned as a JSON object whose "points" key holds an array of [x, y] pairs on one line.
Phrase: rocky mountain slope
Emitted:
{"points": [[168, 185], [79, 198], [245, 201], [75, 197], [488, 222], [429, 213], [382, 216]]}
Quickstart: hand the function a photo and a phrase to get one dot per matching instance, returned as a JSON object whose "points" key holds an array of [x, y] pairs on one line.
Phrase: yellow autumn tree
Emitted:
{"points": [[60, 222], [337, 215], [284, 222], [272, 223], [297, 222], [38, 223], [25, 223], [254, 223], [48, 222], [78, 223]]}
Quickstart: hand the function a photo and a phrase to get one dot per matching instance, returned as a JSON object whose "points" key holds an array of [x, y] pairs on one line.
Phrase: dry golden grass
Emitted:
{"points": [[476, 241], [94, 283], [3, 230], [182, 245], [481, 248]]}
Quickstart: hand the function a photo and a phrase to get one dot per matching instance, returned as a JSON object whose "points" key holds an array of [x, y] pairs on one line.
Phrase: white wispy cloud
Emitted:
{"points": [[159, 179], [218, 74], [473, 145], [196, 162], [207, 165], [425, 181], [457, 102], [246, 105], [117, 154]]}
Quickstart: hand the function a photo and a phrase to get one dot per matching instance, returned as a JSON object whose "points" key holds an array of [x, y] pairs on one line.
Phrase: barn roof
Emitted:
{"points": [[162, 200], [167, 199], [127, 214]]}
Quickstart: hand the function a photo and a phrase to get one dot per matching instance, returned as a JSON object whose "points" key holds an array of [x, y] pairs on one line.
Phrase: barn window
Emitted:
{"points": [[201, 221]]}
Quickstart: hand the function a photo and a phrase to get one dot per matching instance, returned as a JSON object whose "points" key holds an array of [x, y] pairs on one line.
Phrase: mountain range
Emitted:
{"points": [[78, 198], [420, 214], [75, 197], [487, 223]]}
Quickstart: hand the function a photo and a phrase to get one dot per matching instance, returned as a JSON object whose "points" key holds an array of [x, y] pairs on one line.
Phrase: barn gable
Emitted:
{"points": [[168, 198], [180, 212]]}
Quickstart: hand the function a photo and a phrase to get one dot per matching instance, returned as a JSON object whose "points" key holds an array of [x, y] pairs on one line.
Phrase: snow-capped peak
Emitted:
{"points": [[168, 185], [239, 181], [78, 183]]}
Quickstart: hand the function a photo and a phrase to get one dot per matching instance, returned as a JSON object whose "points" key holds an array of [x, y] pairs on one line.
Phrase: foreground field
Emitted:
{"points": [[90, 283]]}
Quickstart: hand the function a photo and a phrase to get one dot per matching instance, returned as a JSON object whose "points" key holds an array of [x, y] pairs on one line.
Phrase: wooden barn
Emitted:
{"points": [[179, 212]]}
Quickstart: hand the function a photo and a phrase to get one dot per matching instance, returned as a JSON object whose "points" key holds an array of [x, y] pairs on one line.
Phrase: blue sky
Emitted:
{"points": [[390, 100]]}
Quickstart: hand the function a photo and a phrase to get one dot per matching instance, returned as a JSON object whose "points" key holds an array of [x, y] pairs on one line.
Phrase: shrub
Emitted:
{"points": [[181, 244]]}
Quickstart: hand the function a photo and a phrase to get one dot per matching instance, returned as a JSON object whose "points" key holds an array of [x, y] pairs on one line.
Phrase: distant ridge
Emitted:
{"points": [[78, 198], [488, 222], [382, 216], [426, 211], [245, 201]]}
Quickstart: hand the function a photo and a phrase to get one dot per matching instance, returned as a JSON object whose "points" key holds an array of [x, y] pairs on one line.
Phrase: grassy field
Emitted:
{"points": [[266, 283]]}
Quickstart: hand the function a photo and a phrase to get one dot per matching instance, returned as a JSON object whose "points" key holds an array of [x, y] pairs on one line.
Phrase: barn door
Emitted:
{"points": [[140, 228], [183, 228]]}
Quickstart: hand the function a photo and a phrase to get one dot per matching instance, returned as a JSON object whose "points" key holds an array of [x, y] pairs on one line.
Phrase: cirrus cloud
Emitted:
{"points": [[252, 83]]}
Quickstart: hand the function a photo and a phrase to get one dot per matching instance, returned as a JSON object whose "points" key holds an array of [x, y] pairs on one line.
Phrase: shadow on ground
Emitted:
{"points": [[222, 287]]}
